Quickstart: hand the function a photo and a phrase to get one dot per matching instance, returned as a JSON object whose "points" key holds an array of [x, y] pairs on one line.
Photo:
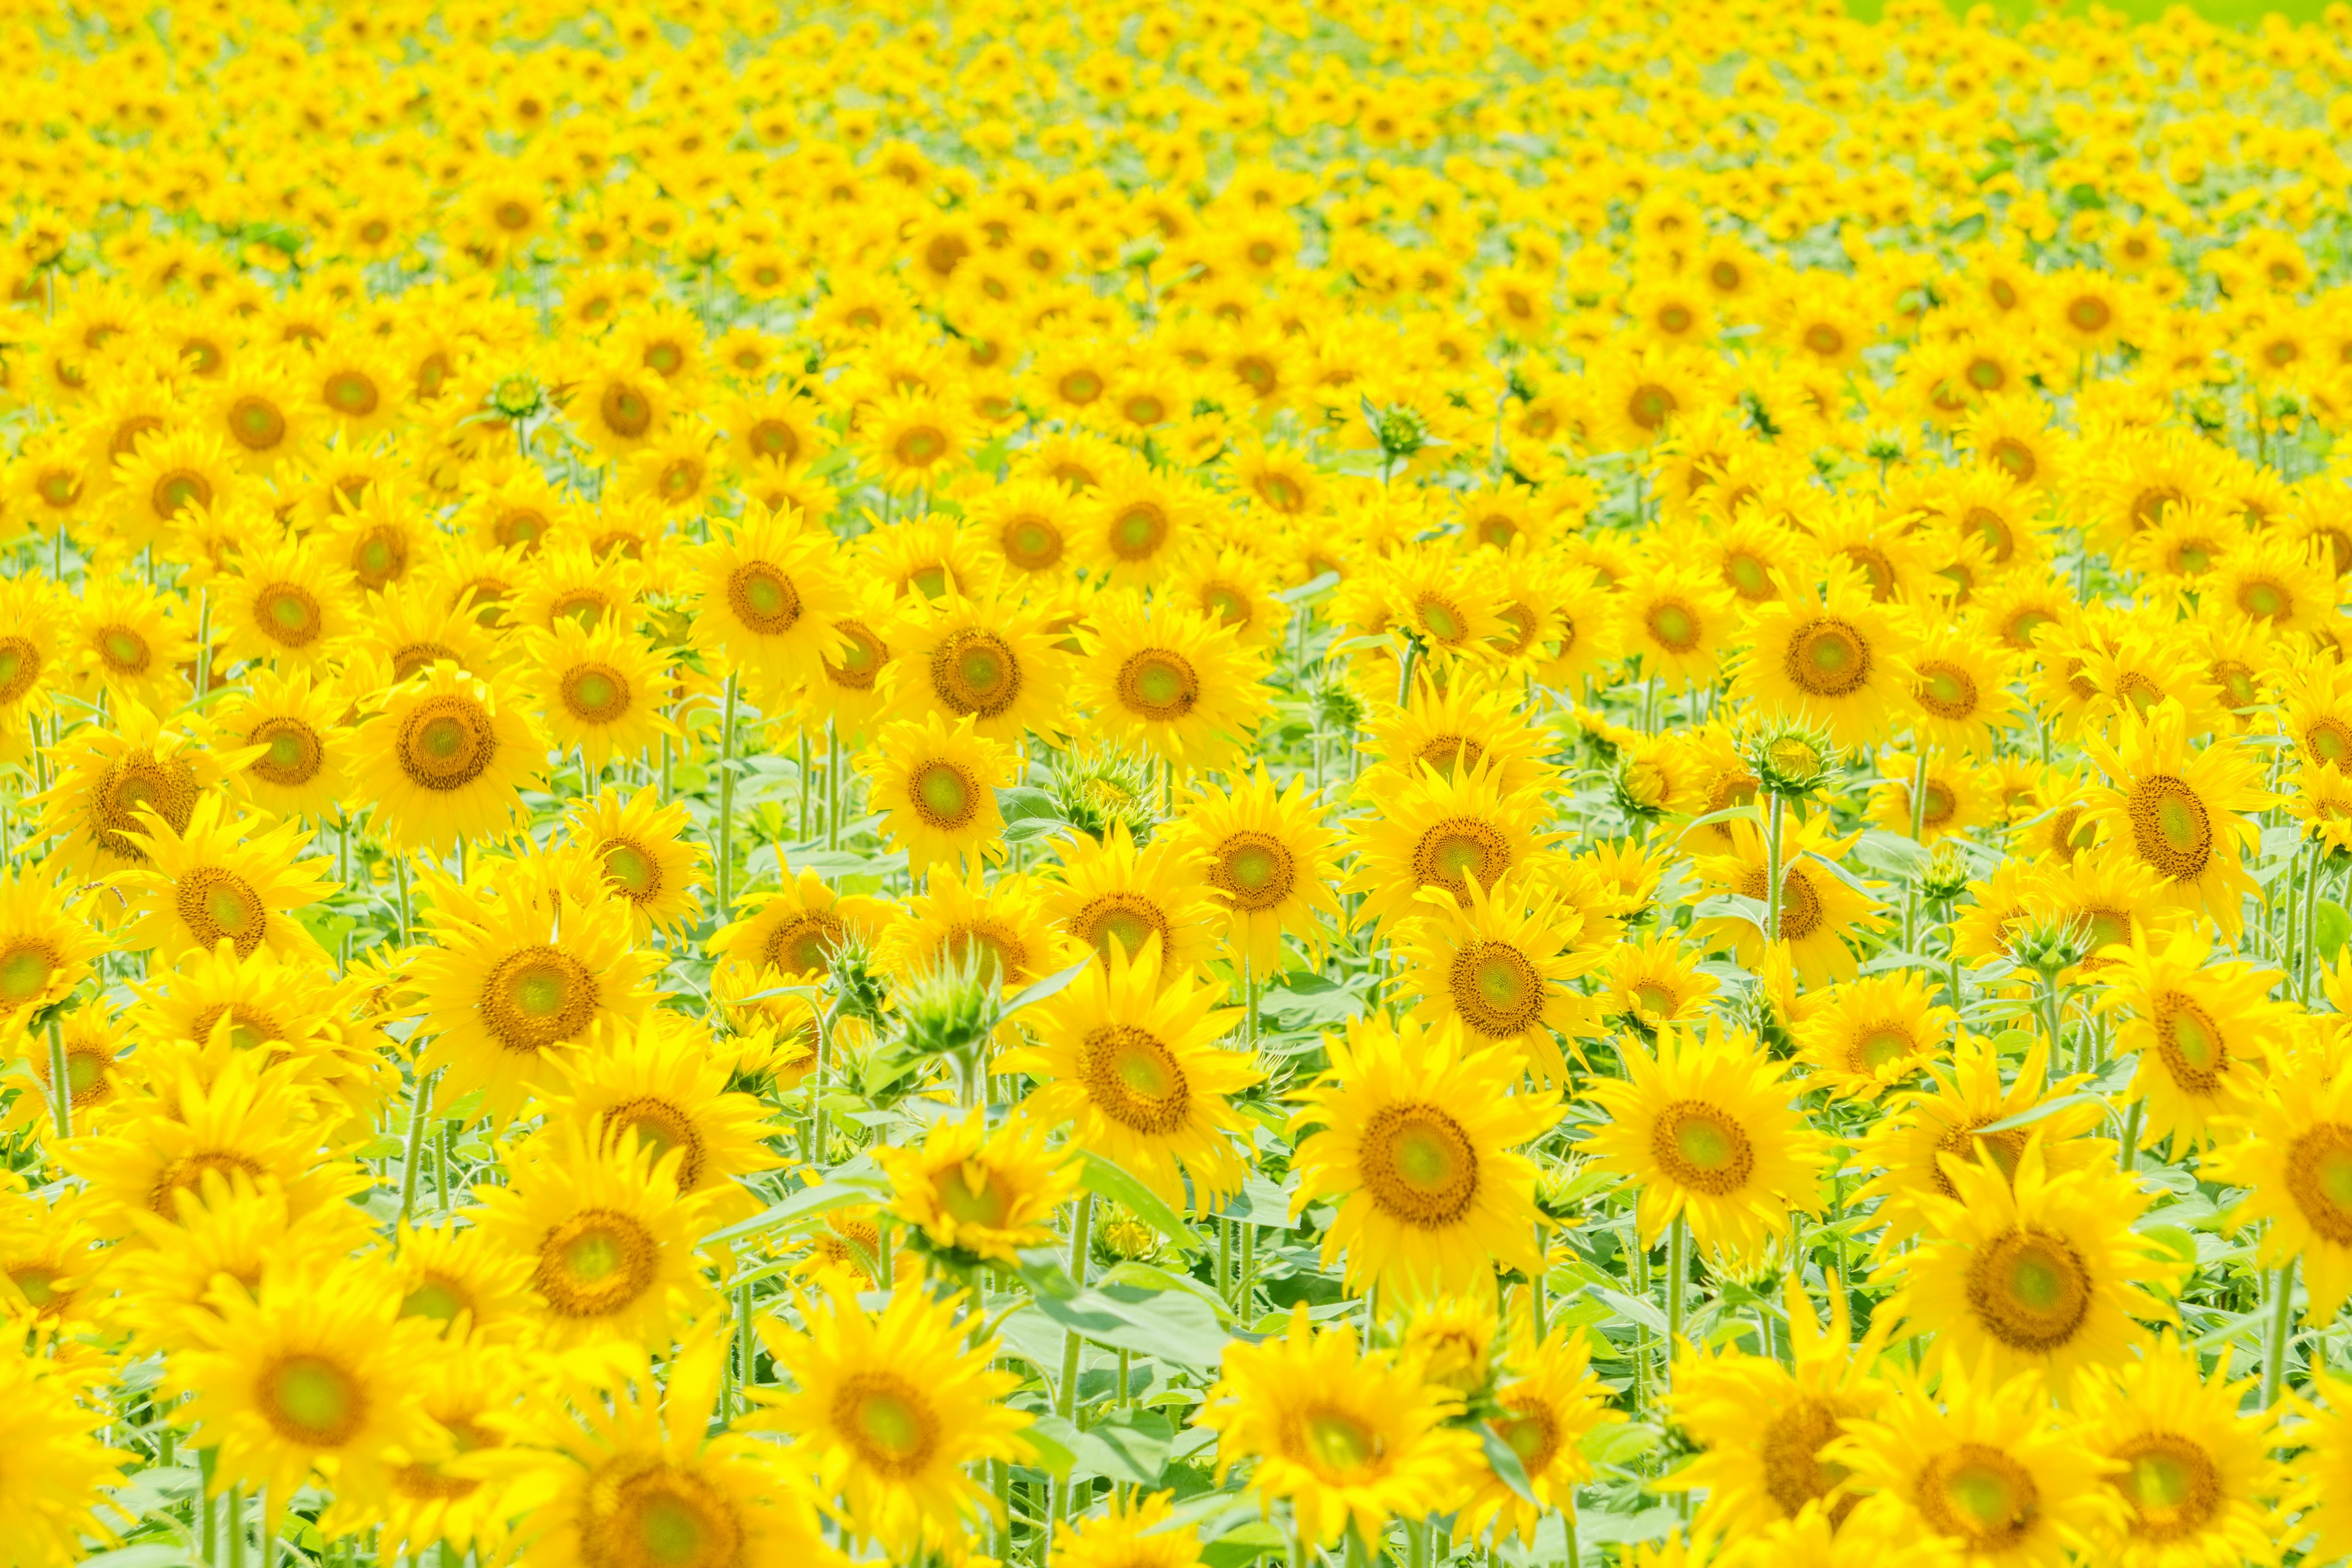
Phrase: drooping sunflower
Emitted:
{"points": [[1818, 908], [1136, 1067], [2185, 814], [1415, 1137], [979, 1194], [651, 865], [1499, 967], [1705, 1127], [306, 750], [235, 881], [769, 592], [1873, 1032], [446, 762], [2204, 1032], [1444, 831], [1463, 726], [523, 960], [1832, 658], [1110, 894], [1270, 864], [1349, 1439], [2193, 1466], [1171, 680], [610, 1237], [601, 690], [894, 1410], [311, 1370], [935, 782], [2028, 1270], [1983, 1465], [1763, 1424], [1656, 979]]}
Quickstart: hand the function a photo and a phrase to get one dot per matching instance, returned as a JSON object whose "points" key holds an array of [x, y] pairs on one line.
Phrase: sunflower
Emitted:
{"points": [[600, 692], [1415, 1138], [1818, 908], [130, 643], [156, 485], [912, 439], [1464, 725], [2292, 1152], [2012, 435], [2030, 1269], [1447, 603], [259, 406], [2193, 1466], [306, 751], [460, 1279], [1500, 970], [997, 923], [116, 772], [1135, 523], [1873, 1032], [787, 937], [1706, 1128], [1912, 1147], [1234, 589], [1835, 659], [1444, 831], [1141, 1533], [311, 1370], [616, 405], [467, 1390], [1983, 1466], [168, 1284], [610, 1237], [1170, 680], [445, 763], [63, 1471], [1678, 619], [214, 881], [411, 627], [1547, 1405], [1029, 525], [987, 660], [529, 958], [933, 557], [2183, 814], [770, 593], [1638, 397], [1109, 896], [1270, 864], [651, 866], [934, 784], [977, 1193], [566, 581], [650, 1083], [1762, 1426], [49, 938], [1657, 979], [33, 656], [894, 1411], [2202, 1032], [1135, 1066], [675, 471], [1955, 799], [2278, 580], [1961, 690]]}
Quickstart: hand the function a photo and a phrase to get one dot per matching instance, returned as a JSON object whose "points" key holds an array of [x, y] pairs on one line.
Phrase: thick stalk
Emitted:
{"points": [[1677, 1280], [1772, 869], [2303, 950], [1066, 1395], [832, 786], [727, 799], [418, 1116], [60, 1080], [2282, 1323]]}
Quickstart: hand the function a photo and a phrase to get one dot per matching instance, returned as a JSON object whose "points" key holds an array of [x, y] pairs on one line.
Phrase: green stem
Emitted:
{"points": [[2281, 1321], [418, 1116], [1772, 871], [832, 786], [1678, 1281], [60, 1080], [236, 1522], [2310, 918], [1065, 1396], [727, 799], [2128, 1147]]}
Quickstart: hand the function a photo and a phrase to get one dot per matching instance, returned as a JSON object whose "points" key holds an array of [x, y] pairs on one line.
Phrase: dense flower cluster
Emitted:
{"points": [[1132, 786]]}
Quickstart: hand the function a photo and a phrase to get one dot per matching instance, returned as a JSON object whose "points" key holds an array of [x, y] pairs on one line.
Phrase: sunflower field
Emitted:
{"points": [[1123, 785]]}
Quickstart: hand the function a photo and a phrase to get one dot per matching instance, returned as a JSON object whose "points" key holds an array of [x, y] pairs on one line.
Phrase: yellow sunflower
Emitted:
{"points": [[1138, 1070], [1547, 1404], [2294, 1155], [1415, 1138], [769, 592], [1834, 659], [2203, 1033], [651, 866], [1819, 908], [2185, 814], [306, 751], [215, 882], [1500, 969], [652, 1082], [1873, 1032], [285, 603], [1679, 620], [466, 1389], [1270, 864], [980, 1195], [1170, 680], [991, 661], [445, 762], [2193, 1466], [1444, 831], [601, 691], [131, 643], [935, 783], [114, 772], [1110, 896], [48, 940]]}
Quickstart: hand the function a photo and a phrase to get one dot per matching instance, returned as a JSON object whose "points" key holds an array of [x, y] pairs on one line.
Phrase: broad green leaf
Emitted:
{"points": [[1106, 1180]]}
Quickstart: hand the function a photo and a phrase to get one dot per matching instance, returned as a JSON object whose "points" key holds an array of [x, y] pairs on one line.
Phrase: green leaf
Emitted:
{"points": [[850, 1184], [2033, 1114], [1126, 1446], [1167, 1325], [1645, 1313], [1040, 990], [1302, 1000], [1030, 813], [1503, 1460], [1236, 1547], [1734, 907], [2330, 930], [1055, 1442], [1105, 1179]]}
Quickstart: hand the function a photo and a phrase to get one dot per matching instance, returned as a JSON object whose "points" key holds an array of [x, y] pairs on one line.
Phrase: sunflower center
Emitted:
{"points": [[1794, 1472], [1880, 1045], [2171, 1483], [446, 742], [1339, 1445], [2329, 741], [804, 943], [217, 905], [311, 1401], [1157, 685], [1979, 1495], [24, 970], [2171, 826], [594, 1264], [975, 1195], [1452, 853], [1827, 657], [1445, 752], [126, 652], [976, 673], [1253, 870], [861, 659], [1128, 917], [1673, 626], [1650, 406], [1419, 1165], [187, 1175], [421, 655], [351, 393], [2189, 1043], [631, 869], [1530, 1429], [627, 412], [20, 667], [887, 1420], [256, 423], [1946, 690], [1800, 906], [2265, 599], [2319, 1178], [1701, 1147], [944, 796], [2029, 1290], [1030, 542], [595, 693], [1133, 1077], [536, 997], [436, 1297], [1496, 989], [1138, 531], [1442, 618], [660, 1127]]}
